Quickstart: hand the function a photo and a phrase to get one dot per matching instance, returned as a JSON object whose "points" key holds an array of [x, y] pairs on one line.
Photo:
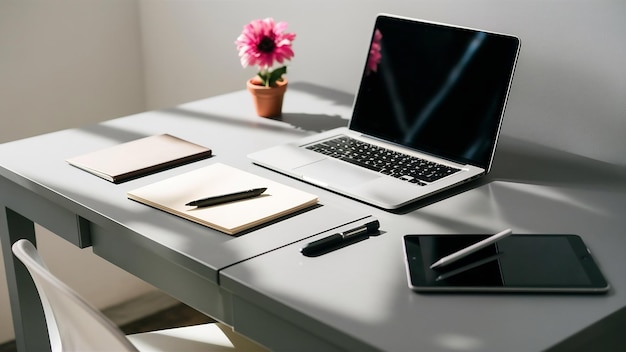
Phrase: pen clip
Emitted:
{"points": [[365, 229]]}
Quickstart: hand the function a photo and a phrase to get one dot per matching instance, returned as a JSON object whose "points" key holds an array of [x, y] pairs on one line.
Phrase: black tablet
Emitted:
{"points": [[518, 263]]}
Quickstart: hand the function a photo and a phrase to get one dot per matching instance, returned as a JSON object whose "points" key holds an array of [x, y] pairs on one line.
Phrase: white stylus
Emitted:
{"points": [[471, 249]]}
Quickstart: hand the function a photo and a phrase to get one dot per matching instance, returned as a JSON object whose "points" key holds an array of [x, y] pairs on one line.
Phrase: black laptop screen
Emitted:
{"points": [[436, 88]]}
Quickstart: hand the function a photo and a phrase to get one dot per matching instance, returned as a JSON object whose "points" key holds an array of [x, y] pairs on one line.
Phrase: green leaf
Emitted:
{"points": [[276, 75]]}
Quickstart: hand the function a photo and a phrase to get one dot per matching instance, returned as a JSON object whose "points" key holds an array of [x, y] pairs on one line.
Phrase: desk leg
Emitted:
{"points": [[31, 333]]}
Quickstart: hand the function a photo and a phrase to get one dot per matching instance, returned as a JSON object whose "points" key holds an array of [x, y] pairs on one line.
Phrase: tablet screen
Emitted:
{"points": [[518, 263]]}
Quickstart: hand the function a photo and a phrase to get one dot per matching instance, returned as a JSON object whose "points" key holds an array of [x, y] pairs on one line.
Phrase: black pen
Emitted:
{"points": [[226, 198], [338, 238]]}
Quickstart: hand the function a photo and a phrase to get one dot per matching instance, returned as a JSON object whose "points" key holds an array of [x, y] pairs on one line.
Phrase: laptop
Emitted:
{"points": [[426, 116]]}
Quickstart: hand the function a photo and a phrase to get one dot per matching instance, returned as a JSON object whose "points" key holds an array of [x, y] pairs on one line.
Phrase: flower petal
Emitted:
{"points": [[254, 49]]}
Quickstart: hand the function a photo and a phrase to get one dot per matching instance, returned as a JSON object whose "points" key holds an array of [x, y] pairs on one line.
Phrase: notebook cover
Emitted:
{"points": [[140, 157], [172, 194]]}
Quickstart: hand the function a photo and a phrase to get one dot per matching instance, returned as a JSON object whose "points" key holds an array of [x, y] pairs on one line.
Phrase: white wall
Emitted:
{"points": [[64, 63], [568, 93]]}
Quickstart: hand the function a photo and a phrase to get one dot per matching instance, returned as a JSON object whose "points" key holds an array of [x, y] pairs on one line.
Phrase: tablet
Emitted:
{"points": [[518, 263]]}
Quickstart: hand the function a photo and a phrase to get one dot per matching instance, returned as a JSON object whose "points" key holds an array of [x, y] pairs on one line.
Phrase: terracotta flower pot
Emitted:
{"points": [[268, 101]]}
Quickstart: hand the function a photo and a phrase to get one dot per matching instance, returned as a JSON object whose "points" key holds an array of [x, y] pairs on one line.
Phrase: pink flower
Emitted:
{"points": [[374, 56], [264, 42]]}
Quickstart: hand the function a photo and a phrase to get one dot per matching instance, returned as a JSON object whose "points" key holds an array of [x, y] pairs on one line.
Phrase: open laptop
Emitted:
{"points": [[426, 117]]}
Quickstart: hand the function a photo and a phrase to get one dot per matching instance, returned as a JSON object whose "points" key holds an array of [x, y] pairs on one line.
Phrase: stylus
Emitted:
{"points": [[471, 249], [467, 267], [338, 238]]}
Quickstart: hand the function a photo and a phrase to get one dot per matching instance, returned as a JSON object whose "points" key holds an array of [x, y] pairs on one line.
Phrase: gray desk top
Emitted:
{"points": [[228, 126], [357, 295], [361, 290]]}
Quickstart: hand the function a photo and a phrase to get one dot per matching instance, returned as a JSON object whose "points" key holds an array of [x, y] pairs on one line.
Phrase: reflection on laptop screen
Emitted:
{"points": [[435, 88]]}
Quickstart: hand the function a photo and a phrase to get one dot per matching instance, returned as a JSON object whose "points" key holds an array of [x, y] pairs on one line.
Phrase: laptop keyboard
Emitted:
{"points": [[385, 161]]}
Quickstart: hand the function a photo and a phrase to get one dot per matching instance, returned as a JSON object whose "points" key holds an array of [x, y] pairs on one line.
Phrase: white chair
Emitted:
{"points": [[75, 325]]}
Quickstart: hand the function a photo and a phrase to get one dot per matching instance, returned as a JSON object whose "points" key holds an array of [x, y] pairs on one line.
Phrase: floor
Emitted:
{"points": [[178, 315]]}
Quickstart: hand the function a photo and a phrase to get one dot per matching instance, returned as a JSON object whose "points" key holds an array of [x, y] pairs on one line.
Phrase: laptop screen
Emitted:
{"points": [[436, 88]]}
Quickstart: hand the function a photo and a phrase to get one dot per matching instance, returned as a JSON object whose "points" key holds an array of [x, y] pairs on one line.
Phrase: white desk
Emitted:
{"points": [[355, 298]]}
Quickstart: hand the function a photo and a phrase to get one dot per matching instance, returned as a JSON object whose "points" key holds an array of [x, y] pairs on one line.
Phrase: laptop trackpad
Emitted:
{"points": [[330, 172]]}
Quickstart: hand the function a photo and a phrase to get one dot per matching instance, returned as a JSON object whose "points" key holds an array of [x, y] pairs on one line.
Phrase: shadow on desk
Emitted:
{"points": [[605, 335], [301, 121], [313, 122], [318, 122], [519, 161], [523, 162], [441, 196]]}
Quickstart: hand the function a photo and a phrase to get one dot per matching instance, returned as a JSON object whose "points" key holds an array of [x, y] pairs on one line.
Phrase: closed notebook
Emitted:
{"points": [[172, 194], [140, 157]]}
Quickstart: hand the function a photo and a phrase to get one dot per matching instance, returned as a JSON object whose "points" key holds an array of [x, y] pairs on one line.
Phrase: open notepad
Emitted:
{"points": [[172, 194]]}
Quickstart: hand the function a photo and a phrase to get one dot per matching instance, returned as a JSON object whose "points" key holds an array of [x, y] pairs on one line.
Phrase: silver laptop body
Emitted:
{"points": [[430, 91]]}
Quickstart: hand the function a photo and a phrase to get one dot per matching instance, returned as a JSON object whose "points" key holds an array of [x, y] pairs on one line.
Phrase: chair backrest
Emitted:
{"points": [[73, 324]]}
